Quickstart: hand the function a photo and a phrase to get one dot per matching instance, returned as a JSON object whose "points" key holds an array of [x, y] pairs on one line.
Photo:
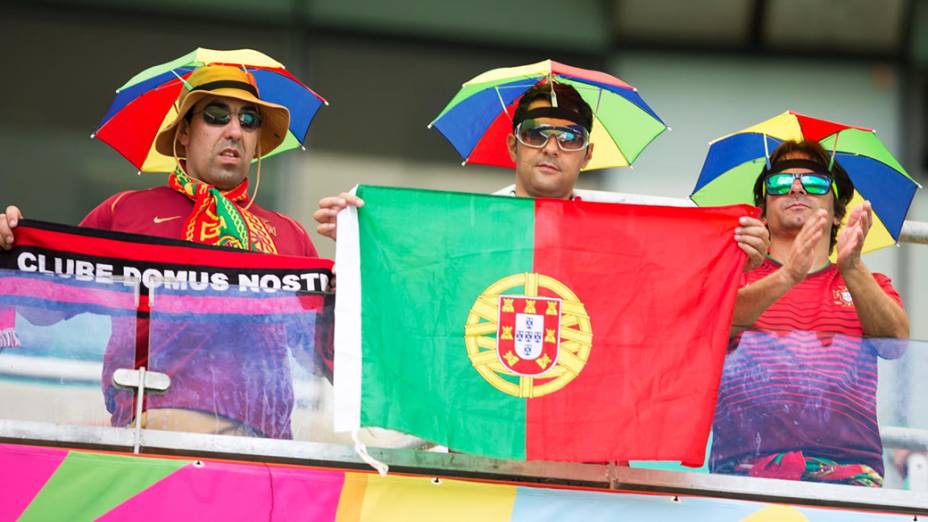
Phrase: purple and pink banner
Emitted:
{"points": [[73, 270], [106, 269], [221, 323]]}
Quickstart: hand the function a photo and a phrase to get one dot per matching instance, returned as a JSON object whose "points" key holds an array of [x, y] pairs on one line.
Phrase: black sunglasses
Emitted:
{"points": [[248, 118]]}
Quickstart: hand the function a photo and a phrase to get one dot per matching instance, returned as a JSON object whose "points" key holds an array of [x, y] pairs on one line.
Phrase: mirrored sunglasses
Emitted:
{"points": [[814, 183], [568, 138], [248, 118]]}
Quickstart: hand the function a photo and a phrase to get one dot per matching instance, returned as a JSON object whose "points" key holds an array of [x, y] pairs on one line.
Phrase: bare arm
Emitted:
{"points": [[879, 314], [329, 208], [752, 300]]}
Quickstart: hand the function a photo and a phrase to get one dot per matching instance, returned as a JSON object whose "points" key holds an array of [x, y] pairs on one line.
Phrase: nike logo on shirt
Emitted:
{"points": [[159, 220]]}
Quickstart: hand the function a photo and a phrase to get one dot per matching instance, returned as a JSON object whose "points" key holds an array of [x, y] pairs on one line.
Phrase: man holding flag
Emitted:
{"points": [[546, 167], [611, 273], [222, 124]]}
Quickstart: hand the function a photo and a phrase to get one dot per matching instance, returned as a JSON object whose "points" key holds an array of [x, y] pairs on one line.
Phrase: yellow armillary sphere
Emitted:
{"points": [[525, 342]]}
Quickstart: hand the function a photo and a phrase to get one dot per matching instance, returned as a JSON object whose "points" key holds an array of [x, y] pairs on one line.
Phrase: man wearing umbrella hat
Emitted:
{"points": [[546, 167], [797, 398], [221, 125]]}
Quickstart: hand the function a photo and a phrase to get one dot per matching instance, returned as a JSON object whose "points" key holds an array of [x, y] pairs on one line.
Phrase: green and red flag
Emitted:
{"points": [[534, 328]]}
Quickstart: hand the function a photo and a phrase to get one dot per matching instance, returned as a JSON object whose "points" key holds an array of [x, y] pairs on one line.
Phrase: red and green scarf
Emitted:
{"points": [[219, 219], [794, 465]]}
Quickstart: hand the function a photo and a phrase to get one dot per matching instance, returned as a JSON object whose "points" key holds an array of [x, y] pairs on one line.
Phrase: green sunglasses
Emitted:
{"points": [[814, 183]]}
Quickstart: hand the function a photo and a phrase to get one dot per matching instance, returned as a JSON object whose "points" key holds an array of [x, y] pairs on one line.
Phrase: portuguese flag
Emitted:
{"points": [[534, 329]]}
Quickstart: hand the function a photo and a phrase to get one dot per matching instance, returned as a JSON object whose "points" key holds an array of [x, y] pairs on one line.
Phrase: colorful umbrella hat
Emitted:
{"points": [[734, 162], [145, 104], [479, 117]]}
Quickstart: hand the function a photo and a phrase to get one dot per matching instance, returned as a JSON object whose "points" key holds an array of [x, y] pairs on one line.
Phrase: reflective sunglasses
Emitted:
{"points": [[814, 183], [569, 138], [248, 118]]}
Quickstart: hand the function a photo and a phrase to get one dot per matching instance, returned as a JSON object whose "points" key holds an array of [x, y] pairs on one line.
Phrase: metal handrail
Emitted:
{"points": [[899, 437], [608, 477], [914, 232]]}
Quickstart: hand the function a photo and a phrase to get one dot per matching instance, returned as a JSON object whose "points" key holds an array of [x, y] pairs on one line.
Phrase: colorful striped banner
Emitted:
{"points": [[40, 483]]}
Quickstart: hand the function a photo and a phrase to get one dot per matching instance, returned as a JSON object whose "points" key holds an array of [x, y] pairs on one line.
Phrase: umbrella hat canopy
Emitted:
{"points": [[734, 162], [147, 103], [479, 117]]}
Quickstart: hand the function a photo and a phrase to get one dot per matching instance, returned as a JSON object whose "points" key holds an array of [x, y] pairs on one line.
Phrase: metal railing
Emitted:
{"points": [[914, 232], [597, 476]]}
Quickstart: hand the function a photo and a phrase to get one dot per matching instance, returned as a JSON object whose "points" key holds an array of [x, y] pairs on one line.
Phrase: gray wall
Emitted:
{"points": [[389, 68]]}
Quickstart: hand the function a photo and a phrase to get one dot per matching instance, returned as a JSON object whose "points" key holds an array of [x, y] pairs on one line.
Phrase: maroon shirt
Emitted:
{"points": [[162, 211], [236, 368], [804, 377]]}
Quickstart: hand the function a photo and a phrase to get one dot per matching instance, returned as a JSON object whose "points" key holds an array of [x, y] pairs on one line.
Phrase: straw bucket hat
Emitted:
{"points": [[229, 82]]}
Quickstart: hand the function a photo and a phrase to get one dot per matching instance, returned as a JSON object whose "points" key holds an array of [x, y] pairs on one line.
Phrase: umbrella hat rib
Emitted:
{"points": [[879, 235], [734, 187], [202, 56], [630, 94], [863, 143], [465, 123], [248, 57], [589, 75], [627, 125], [130, 94], [731, 152], [817, 129], [783, 127], [889, 190], [606, 152], [505, 74], [133, 131], [157, 70], [519, 85]]}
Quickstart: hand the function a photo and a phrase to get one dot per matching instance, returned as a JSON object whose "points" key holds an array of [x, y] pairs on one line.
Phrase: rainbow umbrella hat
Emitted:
{"points": [[734, 162], [479, 117], [145, 104]]}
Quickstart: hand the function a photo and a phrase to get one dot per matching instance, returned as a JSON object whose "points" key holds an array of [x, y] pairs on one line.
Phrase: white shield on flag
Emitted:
{"points": [[528, 333]]}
